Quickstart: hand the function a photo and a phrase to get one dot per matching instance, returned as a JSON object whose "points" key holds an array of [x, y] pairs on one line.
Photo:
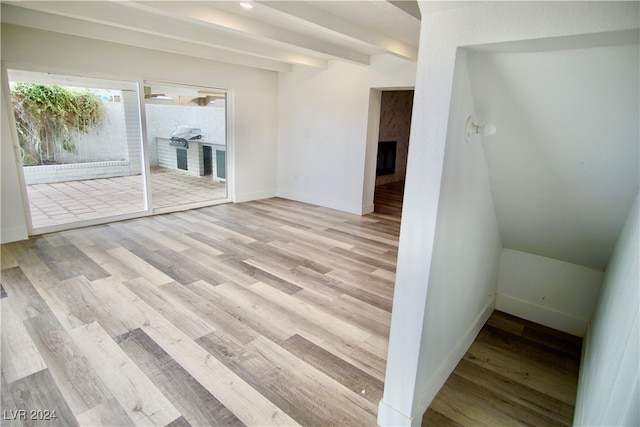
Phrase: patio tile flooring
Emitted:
{"points": [[73, 201]]}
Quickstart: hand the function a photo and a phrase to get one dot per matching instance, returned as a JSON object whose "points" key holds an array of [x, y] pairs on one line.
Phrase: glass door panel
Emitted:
{"points": [[80, 147], [186, 135]]}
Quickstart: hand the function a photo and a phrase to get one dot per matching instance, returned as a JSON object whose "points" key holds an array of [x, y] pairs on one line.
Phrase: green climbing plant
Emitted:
{"points": [[50, 118]]}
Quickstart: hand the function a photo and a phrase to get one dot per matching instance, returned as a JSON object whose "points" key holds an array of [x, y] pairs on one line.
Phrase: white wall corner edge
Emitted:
{"points": [[432, 388], [14, 234], [582, 379], [367, 209], [389, 416], [545, 316]]}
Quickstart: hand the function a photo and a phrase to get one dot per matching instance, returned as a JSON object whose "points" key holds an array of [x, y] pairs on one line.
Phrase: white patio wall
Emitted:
{"points": [[107, 143], [114, 149]]}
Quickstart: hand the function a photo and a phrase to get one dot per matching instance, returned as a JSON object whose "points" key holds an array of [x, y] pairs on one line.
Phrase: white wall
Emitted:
{"points": [[466, 251], [426, 313], [162, 120], [464, 263], [322, 130], [47, 174], [553, 293], [564, 162], [253, 93], [13, 221], [608, 391]]}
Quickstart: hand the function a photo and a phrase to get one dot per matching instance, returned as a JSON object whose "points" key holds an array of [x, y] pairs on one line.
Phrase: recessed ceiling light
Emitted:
{"points": [[246, 5]]}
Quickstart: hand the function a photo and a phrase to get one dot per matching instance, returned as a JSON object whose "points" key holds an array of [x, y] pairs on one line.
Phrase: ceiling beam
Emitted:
{"points": [[409, 6], [335, 25], [98, 20], [61, 24], [253, 29]]}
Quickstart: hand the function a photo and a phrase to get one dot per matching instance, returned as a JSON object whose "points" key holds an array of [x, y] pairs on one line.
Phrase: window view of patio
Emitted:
{"points": [[186, 133], [80, 147]]}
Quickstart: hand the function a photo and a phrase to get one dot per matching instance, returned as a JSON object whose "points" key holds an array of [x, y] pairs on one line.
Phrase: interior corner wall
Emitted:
{"points": [[553, 293], [458, 287], [466, 251], [395, 125], [253, 92], [371, 156], [609, 373], [322, 129], [424, 312]]}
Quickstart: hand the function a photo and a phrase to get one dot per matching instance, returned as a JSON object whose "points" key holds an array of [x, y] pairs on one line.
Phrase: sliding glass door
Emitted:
{"points": [[187, 140], [80, 147]]}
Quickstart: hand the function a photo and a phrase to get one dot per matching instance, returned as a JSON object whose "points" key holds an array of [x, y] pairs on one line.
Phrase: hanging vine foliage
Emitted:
{"points": [[50, 118]]}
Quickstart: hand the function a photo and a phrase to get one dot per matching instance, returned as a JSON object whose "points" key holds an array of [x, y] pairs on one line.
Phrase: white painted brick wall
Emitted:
{"points": [[167, 157], [75, 172]]}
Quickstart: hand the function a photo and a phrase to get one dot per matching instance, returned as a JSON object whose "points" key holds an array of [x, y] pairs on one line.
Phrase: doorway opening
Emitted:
{"points": [[394, 127]]}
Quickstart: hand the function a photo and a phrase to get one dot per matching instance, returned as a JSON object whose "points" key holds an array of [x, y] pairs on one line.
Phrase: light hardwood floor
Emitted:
{"points": [[516, 373], [264, 313]]}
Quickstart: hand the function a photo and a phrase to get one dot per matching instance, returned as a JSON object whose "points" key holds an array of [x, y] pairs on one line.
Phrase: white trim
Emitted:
{"points": [[578, 412], [189, 206], [371, 148], [24, 200], [546, 316], [390, 416], [144, 150], [257, 195], [431, 389], [124, 217], [318, 201], [87, 223], [230, 136]]}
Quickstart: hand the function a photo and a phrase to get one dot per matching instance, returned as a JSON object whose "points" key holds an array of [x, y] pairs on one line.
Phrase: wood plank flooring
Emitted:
{"points": [[515, 373], [387, 198], [265, 313]]}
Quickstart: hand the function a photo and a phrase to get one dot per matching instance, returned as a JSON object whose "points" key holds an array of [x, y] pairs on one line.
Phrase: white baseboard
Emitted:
{"points": [[434, 385], [543, 315], [247, 197], [317, 201], [579, 410], [367, 209], [389, 416]]}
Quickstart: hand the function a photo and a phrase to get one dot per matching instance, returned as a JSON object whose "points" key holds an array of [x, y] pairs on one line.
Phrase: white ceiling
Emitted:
{"points": [[564, 162], [273, 34]]}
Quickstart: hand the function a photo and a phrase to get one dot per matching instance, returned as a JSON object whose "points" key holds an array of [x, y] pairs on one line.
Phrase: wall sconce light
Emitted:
{"points": [[476, 129]]}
